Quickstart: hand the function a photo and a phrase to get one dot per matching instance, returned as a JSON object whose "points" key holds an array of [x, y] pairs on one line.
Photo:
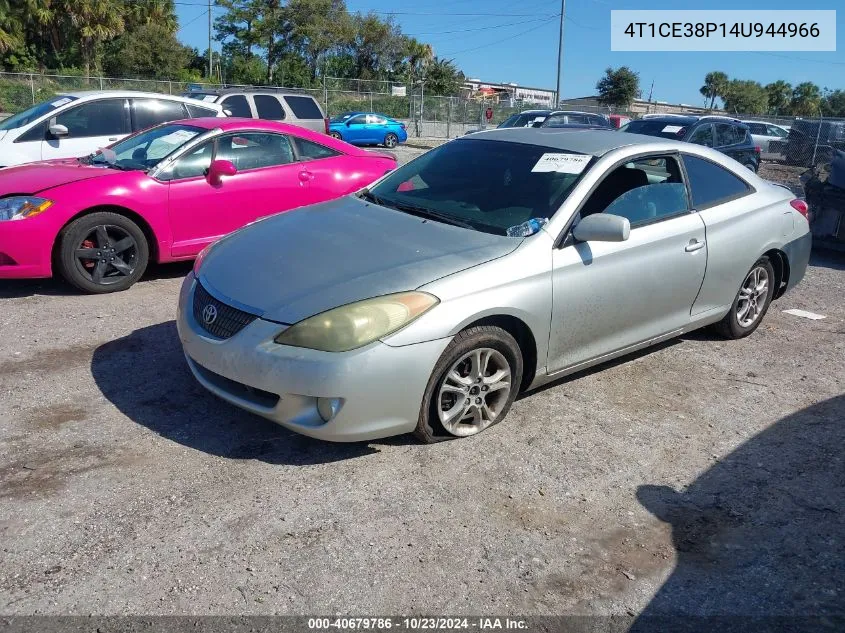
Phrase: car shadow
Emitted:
{"points": [[827, 258], [146, 377], [58, 287], [761, 534]]}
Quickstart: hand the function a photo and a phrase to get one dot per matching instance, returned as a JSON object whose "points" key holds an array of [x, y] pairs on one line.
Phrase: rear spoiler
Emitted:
{"points": [[383, 154]]}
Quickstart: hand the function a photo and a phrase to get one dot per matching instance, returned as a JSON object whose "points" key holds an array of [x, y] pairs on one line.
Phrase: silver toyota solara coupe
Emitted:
{"points": [[490, 265]]}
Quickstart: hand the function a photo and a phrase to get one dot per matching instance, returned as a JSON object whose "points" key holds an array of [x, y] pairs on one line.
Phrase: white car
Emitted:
{"points": [[74, 124], [763, 133]]}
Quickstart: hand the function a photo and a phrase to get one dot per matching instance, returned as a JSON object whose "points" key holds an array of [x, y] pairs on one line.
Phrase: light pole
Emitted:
{"points": [[210, 69], [560, 50]]}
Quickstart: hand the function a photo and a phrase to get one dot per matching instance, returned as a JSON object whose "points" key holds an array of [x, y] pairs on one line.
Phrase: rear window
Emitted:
{"points": [[268, 107], [656, 127], [197, 112], [489, 185], [711, 184], [304, 107]]}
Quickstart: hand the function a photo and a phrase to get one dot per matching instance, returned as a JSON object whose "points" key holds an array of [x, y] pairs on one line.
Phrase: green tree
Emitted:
{"points": [[714, 86], [742, 96], [150, 51], [833, 104], [140, 13], [806, 99], [319, 28], [442, 77], [95, 21], [618, 87], [779, 95]]}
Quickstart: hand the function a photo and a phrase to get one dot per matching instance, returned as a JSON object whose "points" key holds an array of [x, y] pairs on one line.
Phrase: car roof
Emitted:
{"points": [[583, 141], [670, 118], [237, 90], [87, 95]]}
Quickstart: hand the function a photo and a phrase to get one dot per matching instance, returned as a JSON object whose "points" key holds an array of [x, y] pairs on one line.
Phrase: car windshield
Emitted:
{"points": [[35, 112], [482, 184], [666, 128], [145, 150], [522, 120]]}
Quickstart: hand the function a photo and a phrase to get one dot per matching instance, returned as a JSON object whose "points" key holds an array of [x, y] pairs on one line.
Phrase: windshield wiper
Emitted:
{"points": [[367, 195], [427, 213]]}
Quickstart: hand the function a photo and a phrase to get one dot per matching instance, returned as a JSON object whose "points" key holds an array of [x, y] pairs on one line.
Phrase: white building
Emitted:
{"points": [[510, 93]]}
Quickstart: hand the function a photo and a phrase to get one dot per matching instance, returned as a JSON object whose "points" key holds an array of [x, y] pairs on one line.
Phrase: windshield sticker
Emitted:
{"points": [[562, 163], [209, 97], [673, 128], [179, 136], [61, 102]]}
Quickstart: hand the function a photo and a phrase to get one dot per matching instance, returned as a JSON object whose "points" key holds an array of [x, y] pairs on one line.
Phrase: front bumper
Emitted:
{"points": [[378, 388], [25, 249]]}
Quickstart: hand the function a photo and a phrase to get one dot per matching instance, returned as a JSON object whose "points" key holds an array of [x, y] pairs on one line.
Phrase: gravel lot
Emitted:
{"points": [[703, 476]]}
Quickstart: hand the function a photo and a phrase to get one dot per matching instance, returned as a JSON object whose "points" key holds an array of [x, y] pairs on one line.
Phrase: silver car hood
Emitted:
{"points": [[293, 265]]}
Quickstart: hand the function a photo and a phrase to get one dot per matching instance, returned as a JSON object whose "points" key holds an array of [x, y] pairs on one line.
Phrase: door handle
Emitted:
{"points": [[694, 245], [112, 138], [305, 176]]}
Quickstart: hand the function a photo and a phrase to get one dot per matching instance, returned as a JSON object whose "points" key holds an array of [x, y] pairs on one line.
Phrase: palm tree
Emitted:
{"points": [[714, 86], [780, 94], [95, 21]]}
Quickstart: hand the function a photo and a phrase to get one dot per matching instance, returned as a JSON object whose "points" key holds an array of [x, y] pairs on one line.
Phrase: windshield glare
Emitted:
{"points": [[522, 120], [651, 127], [35, 112], [488, 184], [147, 149]]}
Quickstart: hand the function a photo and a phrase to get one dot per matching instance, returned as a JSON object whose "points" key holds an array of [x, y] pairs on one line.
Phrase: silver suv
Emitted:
{"points": [[290, 106]]}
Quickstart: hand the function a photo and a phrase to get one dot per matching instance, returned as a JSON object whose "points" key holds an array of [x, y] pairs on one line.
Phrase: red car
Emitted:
{"points": [[164, 194]]}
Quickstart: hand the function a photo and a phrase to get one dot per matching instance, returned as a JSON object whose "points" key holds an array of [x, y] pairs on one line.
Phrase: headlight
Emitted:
{"points": [[357, 324], [20, 207]]}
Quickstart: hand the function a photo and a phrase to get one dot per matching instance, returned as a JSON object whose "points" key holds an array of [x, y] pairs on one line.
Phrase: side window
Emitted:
{"points": [[254, 150], [773, 130], [757, 128], [304, 107], [577, 118], [644, 191], [268, 107], [107, 117], [150, 112], [313, 151], [725, 134], [702, 135], [191, 165], [360, 119], [197, 112], [712, 184], [237, 105]]}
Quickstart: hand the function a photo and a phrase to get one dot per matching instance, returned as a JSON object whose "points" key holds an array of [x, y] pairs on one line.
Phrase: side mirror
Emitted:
{"points": [[348, 122], [602, 227], [227, 112], [58, 131], [218, 169]]}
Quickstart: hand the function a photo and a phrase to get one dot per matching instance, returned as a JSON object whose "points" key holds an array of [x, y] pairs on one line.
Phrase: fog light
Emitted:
{"points": [[328, 408]]}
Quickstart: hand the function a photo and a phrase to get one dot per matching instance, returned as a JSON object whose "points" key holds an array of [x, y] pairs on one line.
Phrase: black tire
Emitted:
{"points": [[730, 326], [752, 166], [336, 135], [113, 260], [429, 427], [390, 140]]}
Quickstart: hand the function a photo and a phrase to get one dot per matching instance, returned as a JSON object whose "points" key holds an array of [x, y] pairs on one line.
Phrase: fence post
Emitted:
{"points": [[371, 102], [816, 144], [101, 83], [32, 87], [169, 87], [448, 118]]}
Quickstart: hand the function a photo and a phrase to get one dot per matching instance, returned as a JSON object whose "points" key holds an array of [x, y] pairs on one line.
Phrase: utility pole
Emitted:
{"points": [[560, 51], [210, 69]]}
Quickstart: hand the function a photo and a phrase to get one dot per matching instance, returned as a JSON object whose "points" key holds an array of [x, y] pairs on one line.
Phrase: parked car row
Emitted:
{"points": [[348, 299]]}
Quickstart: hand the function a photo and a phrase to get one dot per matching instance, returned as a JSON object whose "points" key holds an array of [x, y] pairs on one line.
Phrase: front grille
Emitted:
{"points": [[217, 318]]}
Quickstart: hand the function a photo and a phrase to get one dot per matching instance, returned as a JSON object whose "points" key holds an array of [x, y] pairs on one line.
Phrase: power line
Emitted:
{"points": [[482, 28], [504, 39], [204, 11], [800, 59]]}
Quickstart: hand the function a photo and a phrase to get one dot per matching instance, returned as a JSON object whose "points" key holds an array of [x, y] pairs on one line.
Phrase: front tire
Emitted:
{"points": [[472, 386], [391, 140], [336, 135], [751, 303], [102, 252]]}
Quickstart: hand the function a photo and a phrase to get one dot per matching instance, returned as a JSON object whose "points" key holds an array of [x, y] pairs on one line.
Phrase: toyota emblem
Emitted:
{"points": [[209, 314]]}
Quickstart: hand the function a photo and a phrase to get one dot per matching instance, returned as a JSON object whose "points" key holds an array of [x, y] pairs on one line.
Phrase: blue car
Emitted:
{"points": [[368, 128]]}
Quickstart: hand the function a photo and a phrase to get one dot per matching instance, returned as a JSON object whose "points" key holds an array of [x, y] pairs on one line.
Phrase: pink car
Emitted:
{"points": [[164, 194]]}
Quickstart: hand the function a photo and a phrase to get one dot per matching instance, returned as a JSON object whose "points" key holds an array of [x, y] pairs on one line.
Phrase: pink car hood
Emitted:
{"points": [[34, 177]]}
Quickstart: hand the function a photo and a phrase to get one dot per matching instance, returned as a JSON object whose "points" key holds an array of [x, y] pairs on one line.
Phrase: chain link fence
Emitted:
{"points": [[810, 141]]}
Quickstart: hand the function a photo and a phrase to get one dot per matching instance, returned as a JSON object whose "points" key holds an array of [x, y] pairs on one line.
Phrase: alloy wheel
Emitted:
{"points": [[474, 391], [752, 296], [107, 254]]}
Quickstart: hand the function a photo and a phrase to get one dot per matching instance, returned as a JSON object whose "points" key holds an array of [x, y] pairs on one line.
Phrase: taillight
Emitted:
{"points": [[801, 207], [326, 124], [757, 148], [402, 125]]}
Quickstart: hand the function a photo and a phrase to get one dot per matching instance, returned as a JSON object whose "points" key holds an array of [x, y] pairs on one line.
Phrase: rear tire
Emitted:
{"points": [[476, 380], [751, 303], [336, 135], [752, 166], [390, 140], [102, 252]]}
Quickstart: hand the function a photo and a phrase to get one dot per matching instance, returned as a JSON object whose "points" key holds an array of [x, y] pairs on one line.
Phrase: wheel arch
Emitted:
{"points": [[524, 337], [145, 227], [780, 263]]}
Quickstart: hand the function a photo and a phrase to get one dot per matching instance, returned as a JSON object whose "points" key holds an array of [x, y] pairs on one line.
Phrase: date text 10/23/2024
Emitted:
{"points": [[417, 623]]}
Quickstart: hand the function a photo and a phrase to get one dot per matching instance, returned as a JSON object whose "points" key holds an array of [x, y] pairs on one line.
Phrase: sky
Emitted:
{"points": [[517, 41]]}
